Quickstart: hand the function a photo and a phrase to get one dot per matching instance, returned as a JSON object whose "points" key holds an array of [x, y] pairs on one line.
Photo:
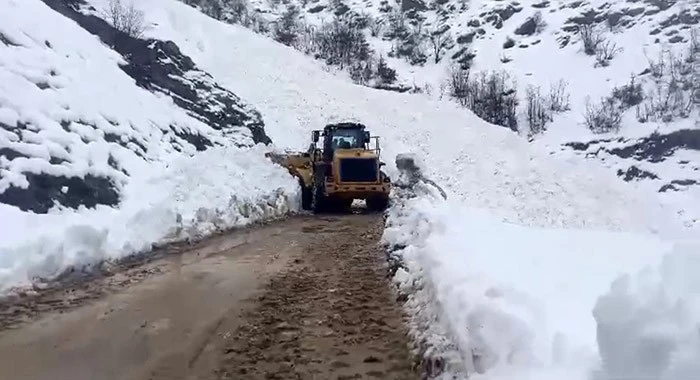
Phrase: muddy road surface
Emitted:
{"points": [[304, 298]]}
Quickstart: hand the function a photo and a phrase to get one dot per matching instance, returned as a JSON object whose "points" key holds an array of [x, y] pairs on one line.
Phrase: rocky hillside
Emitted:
{"points": [[86, 104]]}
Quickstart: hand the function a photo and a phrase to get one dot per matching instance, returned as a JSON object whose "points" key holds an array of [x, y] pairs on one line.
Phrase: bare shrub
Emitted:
{"points": [[458, 84], [126, 18], [375, 26], [385, 74], [440, 41], [341, 43], [538, 114], [604, 117], [675, 88], [605, 52], [591, 38], [558, 99], [286, 29], [630, 94], [491, 96], [540, 109]]}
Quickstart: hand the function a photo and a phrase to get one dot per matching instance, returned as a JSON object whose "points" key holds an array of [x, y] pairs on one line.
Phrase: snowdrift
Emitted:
{"points": [[94, 167], [534, 303]]}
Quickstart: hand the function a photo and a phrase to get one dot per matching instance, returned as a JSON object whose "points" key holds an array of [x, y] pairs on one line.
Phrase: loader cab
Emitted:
{"points": [[342, 136]]}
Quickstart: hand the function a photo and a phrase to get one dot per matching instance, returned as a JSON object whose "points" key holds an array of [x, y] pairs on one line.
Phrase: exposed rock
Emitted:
{"points": [[160, 66], [635, 173], [678, 182], [44, 191]]}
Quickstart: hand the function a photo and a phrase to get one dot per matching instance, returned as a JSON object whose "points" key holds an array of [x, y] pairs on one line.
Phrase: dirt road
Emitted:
{"points": [[305, 298]]}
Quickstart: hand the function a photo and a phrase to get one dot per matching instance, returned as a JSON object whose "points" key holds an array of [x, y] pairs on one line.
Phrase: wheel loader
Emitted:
{"points": [[343, 169]]}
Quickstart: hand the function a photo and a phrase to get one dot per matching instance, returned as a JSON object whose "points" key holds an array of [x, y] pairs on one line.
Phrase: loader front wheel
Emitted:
{"points": [[318, 198], [378, 204], [306, 196]]}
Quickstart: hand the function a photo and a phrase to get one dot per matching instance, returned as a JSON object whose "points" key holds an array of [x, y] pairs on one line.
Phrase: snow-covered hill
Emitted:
{"points": [[564, 72], [95, 128]]}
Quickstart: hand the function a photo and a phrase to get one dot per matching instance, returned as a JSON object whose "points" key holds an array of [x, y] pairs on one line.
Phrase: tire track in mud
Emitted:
{"points": [[331, 315], [303, 298]]}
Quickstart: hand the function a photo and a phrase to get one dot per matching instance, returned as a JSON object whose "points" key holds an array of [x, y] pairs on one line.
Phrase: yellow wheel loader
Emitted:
{"points": [[343, 169]]}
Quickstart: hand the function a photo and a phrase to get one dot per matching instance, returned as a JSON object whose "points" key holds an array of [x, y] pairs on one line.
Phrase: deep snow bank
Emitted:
{"points": [[506, 300], [191, 197], [648, 323]]}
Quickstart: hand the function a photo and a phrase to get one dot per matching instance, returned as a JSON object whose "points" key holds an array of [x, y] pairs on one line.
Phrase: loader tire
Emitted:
{"points": [[318, 197], [378, 204], [306, 196]]}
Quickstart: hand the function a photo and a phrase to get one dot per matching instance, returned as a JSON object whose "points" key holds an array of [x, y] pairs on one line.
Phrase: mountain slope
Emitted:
{"points": [[473, 159], [566, 72]]}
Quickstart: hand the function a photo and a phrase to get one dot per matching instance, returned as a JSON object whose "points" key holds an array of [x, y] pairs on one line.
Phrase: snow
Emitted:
{"points": [[648, 321], [182, 202], [167, 195], [528, 303]]}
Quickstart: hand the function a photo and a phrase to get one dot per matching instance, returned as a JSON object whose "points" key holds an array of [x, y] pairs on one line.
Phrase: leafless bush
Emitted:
{"points": [[362, 72], [604, 117], [540, 109], [674, 88], [440, 41], [126, 18], [375, 26], [605, 52], [385, 74], [287, 28], [458, 84], [491, 96], [538, 114], [558, 99], [630, 94], [341, 43], [591, 38]]}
